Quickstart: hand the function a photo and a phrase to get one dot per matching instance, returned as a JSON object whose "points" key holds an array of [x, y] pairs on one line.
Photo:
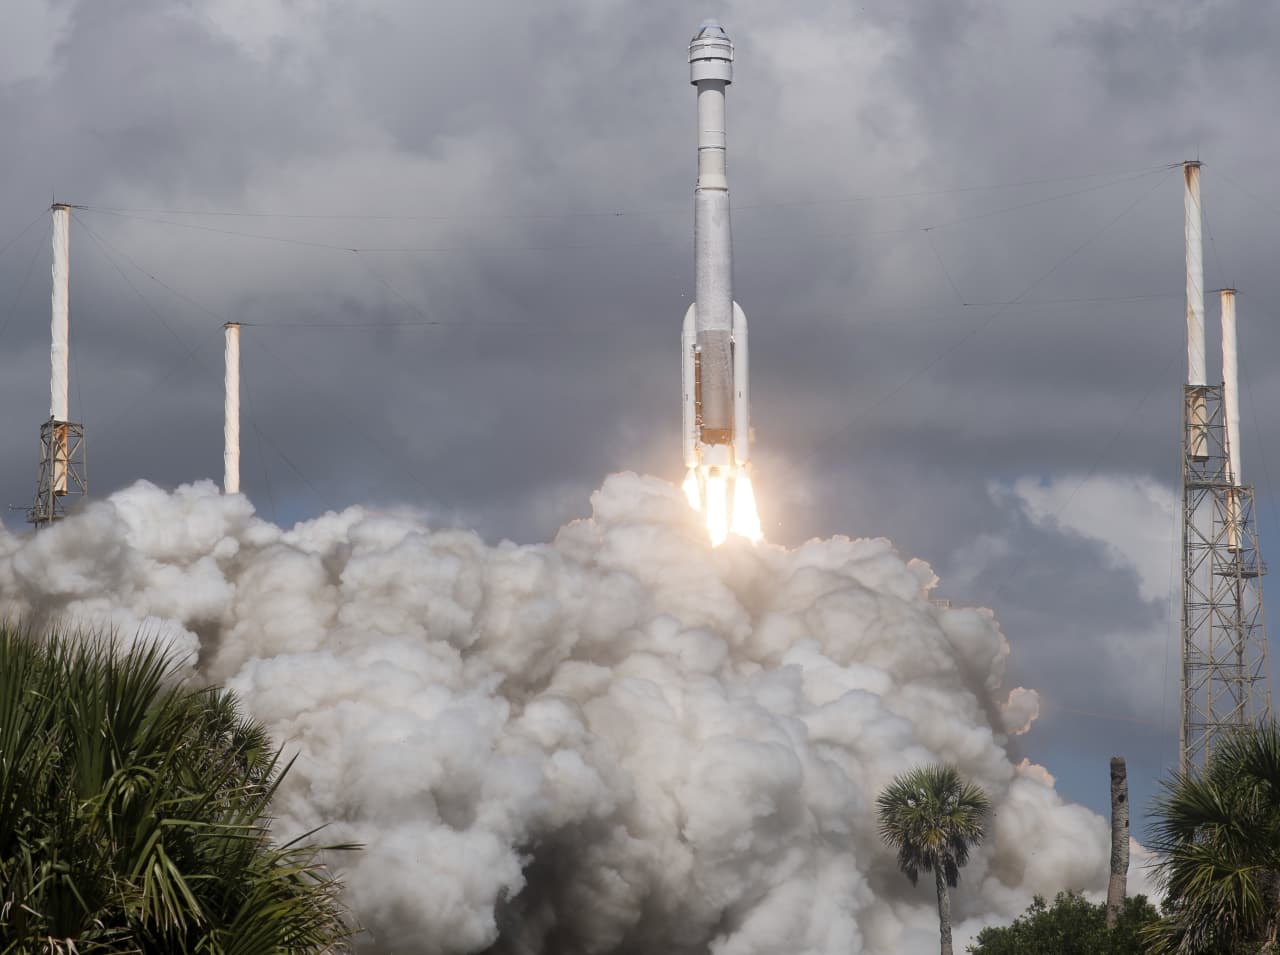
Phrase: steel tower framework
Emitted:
{"points": [[62, 471], [1224, 638]]}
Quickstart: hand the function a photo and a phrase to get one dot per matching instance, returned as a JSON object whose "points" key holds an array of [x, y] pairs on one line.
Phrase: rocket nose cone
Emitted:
{"points": [[710, 28], [711, 53]]}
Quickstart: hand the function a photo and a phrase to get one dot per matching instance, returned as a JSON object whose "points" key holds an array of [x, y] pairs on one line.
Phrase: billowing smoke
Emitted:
{"points": [[621, 741]]}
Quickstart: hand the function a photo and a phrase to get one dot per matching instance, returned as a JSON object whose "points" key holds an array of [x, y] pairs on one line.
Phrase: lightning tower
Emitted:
{"points": [[62, 449], [1224, 641], [231, 410]]}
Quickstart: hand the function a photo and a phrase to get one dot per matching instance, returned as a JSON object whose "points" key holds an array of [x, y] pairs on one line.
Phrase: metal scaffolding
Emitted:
{"points": [[1224, 638], [62, 471]]}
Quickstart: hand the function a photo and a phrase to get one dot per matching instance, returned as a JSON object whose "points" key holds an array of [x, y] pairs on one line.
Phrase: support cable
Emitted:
{"points": [[190, 353], [829, 441], [943, 265], [22, 285], [619, 213], [1092, 471], [404, 465], [23, 231]]}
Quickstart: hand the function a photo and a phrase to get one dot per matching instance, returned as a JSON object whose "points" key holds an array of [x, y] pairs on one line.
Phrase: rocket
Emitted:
{"points": [[715, 377]]}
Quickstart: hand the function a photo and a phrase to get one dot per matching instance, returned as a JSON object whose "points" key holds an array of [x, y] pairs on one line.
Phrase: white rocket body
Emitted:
{"points": [[715, 376]]}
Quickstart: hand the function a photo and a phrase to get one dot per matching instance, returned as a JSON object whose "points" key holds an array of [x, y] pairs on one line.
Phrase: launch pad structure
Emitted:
{"points": [[1225, 685]]}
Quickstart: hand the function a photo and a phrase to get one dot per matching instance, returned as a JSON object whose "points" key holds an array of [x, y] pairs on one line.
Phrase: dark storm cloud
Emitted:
{"points": [[897, 373]]}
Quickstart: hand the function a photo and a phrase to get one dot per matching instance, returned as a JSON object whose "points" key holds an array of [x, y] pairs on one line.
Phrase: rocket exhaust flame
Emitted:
{"points": [[717, 509], [746, 519], [692, 490], [710, 495]]}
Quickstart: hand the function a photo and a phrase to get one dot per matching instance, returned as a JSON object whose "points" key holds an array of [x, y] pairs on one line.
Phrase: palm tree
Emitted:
{"points": [[133, 813], [932, 817], [1219, 835]]}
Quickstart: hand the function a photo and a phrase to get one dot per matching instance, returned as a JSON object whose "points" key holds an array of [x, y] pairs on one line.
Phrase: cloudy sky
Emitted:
{"points": [[460, 235]]}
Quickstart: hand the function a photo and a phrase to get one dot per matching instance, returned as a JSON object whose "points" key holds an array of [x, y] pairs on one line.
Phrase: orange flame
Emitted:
{"points": [[710, 497]]}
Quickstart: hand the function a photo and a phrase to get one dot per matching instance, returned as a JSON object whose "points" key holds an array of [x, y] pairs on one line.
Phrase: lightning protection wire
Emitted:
{"points": [[1255, 200], [404, 466], [679, 205], [1094, 466], [1268, 484], [943, 265], [1109, 717], [1027, 559], [831, 440], [333, 247], [12, 309], [152, 217], [23, 231], [191, 355]]}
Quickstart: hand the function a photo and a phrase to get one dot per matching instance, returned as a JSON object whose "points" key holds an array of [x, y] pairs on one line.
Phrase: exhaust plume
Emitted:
{"points": [[622, 741]]}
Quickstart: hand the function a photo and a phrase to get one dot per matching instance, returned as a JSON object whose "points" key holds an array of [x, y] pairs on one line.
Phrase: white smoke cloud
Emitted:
{"points": [[621, 741]]}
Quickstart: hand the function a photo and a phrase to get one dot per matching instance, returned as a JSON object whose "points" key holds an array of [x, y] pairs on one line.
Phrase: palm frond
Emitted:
{"points": [[134, 812]]}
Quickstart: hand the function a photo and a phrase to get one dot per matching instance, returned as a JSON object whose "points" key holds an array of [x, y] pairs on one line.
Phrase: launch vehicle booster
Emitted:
{"points": [[715, 376]]}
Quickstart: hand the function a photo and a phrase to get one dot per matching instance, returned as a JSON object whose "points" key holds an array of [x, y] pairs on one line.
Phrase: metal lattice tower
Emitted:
{"points": [[62, 471], [1224, 638]]}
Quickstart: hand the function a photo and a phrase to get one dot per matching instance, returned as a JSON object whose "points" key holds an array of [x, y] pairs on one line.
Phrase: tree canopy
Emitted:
{"points": [[932, 817], [1218, 832], [133, 813], [1071, 926]]}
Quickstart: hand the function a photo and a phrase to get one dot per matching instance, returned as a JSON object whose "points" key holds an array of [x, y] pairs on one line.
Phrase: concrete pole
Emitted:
{"points": [[231, 411]]}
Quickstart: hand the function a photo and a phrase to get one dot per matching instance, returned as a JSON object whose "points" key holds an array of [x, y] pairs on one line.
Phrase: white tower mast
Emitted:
{"points": [[231, 411], [62, 470], [1195, 309]]}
